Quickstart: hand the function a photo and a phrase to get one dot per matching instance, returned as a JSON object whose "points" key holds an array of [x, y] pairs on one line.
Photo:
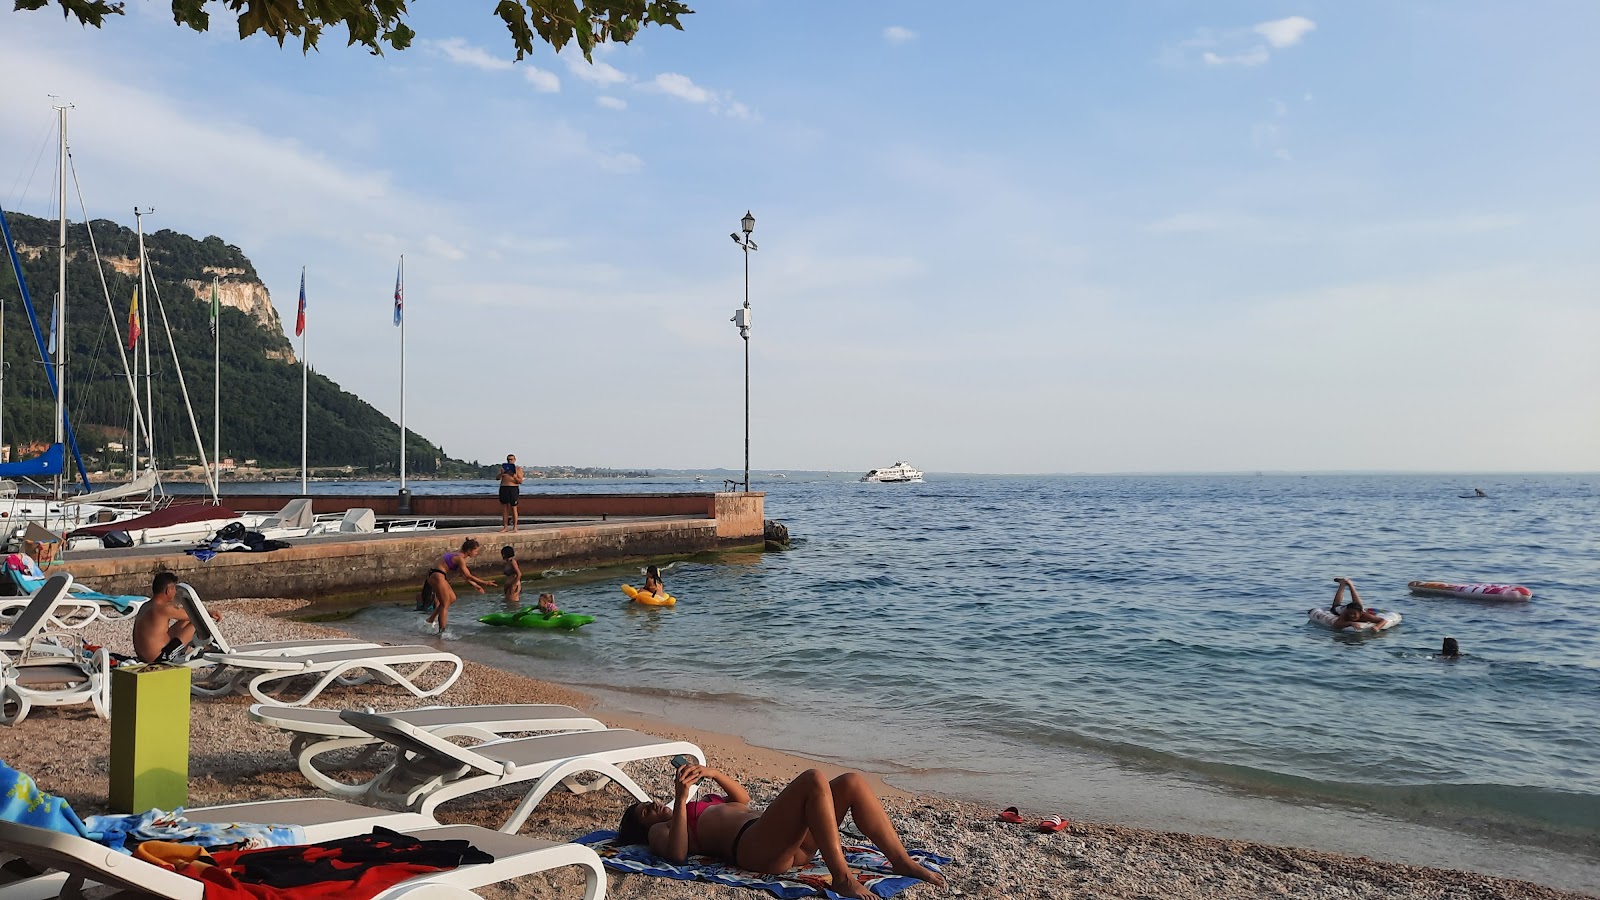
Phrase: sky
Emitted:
{"points": [[1075, 237]]}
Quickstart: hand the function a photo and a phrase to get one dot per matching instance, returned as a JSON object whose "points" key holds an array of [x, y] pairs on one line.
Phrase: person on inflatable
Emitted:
{"points": [[437, 594], [1355, 612], [652, 582], [547, 605], [513, 573]]}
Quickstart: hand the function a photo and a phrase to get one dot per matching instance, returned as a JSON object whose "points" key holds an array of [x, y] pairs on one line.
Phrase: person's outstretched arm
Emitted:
{"points": [[472, 579], [731, 789]]}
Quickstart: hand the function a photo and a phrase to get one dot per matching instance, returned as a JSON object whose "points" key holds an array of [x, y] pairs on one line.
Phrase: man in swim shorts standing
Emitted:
{"points": [[510, 484]]}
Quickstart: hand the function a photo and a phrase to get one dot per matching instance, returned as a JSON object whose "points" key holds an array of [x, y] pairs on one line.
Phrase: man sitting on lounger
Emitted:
{"points": [[162, 627]]}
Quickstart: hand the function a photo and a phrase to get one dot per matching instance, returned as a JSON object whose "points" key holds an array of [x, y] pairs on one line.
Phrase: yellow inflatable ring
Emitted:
{"points": [[648, 599]]}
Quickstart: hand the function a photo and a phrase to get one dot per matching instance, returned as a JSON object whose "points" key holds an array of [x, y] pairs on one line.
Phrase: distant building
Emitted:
{"points": [[114, 447]]}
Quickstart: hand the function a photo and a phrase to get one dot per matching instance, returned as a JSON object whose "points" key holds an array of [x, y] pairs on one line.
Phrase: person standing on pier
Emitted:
{"points": [[510, 489]]}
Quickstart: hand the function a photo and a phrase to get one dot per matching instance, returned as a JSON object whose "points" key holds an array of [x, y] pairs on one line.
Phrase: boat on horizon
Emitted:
{"points": [[899, 473]]}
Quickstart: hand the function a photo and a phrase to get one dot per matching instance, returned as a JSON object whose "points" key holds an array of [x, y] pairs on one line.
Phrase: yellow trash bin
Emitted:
{"points": [[149, 738]]}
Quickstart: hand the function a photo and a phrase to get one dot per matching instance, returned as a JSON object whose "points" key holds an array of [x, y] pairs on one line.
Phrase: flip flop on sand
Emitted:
{"points": [[1053, 825], [1010, 814]]}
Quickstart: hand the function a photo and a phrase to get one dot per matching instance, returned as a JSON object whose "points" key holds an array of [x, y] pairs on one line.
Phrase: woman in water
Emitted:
{"points": [[437, 594], [803, 820], [1355, 612], [652, 582], [513, 573]]}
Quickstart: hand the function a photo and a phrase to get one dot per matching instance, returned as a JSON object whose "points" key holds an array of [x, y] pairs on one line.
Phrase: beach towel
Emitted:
{"points": [[123, 833], [871, 868], [21, 801], [352, 868]]}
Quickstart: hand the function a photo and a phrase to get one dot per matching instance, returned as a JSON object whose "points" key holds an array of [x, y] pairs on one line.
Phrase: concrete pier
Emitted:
{"points": [[588, 530]]}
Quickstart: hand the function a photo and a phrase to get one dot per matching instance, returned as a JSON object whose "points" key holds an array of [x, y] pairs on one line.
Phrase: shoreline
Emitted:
{"points": [[234, 759]]}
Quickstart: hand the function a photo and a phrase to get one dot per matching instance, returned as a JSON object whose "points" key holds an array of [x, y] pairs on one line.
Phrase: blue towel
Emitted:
{"points": [[32, 585], [870, 865], [24, 803], [126, 832]]}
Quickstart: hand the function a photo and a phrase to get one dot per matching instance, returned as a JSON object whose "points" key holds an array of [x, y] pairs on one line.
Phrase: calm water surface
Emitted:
{"points": [[1136, 649]]}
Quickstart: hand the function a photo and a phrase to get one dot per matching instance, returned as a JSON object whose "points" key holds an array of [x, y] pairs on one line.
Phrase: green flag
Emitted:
{"points": [[216, 307]]}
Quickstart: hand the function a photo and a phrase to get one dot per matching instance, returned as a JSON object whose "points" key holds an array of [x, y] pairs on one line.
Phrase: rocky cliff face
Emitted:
{"points": [[248, 296]]}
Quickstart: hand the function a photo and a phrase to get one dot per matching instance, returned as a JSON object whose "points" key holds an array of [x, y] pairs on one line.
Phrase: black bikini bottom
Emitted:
{"points": [[733, 851]]}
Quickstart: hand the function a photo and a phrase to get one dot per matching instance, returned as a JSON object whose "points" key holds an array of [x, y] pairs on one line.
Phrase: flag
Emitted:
{"points": [[300, 317], [133, 321], [216, 307], [399, 303]]}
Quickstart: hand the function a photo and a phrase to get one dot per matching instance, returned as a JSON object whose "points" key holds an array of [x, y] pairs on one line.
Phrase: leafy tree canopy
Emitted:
{"points": [[376, 23]]}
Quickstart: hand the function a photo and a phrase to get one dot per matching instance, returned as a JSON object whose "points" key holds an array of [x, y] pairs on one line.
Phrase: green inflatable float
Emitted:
{"points": [[531, 617]]}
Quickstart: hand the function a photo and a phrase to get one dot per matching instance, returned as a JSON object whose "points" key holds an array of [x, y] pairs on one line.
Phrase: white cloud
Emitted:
{"points": [[438, 246], [597, 73], [544, 82], [458, 51], [683, 87], [610, 102], [1255, 56], [1240, 46], [1282, 33], [896, 34]]}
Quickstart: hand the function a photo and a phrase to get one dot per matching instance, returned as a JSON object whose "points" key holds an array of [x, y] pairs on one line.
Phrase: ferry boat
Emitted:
{"points": [[899, 473]]}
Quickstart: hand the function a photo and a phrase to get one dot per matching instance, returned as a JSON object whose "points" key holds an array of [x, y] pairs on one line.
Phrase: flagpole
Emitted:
{"points": [[216, 392], [304, 381], [400, 312]]}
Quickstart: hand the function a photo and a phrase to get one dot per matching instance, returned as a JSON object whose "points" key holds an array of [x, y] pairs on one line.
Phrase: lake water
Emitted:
{"points": [[1136, 649]]}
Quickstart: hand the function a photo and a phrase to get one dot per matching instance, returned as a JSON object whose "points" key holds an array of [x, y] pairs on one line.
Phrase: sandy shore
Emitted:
{"points": [[233, 759]]}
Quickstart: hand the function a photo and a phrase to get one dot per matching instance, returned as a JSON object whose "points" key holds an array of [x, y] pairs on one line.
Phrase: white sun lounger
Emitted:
{"points": [[209, 639], [59, 610], [37, 616], [54, 681], [85, 861], [399, 665], [318, 731], [430, 770], [319, 818]]}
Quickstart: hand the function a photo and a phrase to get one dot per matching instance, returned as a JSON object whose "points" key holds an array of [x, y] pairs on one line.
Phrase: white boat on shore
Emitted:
{"points": [[899, 473]]}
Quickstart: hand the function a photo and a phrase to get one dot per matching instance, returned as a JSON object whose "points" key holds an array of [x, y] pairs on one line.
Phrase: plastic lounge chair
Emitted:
{"points": [[54, 681], [319, 731], [29, 578], [70, 612], [320, 818], [258, 673], [430, 770], [84, 861], [212, 679], [38, 615]]}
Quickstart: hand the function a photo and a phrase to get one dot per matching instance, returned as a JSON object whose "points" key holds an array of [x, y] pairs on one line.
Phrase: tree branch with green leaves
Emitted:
{"points": [[380, 24]]}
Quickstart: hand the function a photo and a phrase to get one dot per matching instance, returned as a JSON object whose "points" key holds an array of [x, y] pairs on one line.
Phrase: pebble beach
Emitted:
{"points": [[233, 759]]}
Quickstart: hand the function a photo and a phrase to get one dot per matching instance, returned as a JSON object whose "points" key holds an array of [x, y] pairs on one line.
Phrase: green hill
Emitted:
{"points": [[260, 378]]}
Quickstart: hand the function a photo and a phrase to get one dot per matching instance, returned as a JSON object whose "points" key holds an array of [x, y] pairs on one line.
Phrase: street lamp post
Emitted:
{"points": [[741, 318]]}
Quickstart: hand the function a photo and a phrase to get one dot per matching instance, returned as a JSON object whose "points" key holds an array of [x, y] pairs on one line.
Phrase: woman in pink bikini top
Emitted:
{"points": [[802, 821]]}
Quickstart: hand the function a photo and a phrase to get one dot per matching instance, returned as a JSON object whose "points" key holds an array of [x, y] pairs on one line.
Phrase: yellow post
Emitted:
{"points": [[149, 738]]}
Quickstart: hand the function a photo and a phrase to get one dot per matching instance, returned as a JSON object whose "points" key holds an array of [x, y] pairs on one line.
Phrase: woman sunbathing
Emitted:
{"points": [[803, 820]]}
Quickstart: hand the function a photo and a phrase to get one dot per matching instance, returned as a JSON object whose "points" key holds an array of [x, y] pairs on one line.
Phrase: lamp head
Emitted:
{"points": [[748, 222]]}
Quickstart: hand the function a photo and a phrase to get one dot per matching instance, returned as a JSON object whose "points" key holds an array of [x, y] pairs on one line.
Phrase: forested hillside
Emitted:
{"points": [[260, 379]]}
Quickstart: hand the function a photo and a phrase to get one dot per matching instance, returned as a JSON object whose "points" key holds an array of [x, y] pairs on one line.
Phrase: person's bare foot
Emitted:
{"points": [[914, 869], [850, 887]]}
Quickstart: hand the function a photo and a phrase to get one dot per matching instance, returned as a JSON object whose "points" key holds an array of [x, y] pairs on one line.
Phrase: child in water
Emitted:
{"points": [[652, 582], [547, 605], [1355, 612], [513, 573]]}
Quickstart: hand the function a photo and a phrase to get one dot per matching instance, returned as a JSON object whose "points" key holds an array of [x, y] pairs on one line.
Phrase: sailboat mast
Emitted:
{"points": [[59, 320], [400, 313], [305, 369], [149, 371], [216, 390], [138, 222]]}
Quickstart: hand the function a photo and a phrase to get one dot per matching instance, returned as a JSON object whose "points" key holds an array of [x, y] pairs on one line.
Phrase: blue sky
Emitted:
{"points": [[1151, 236]]}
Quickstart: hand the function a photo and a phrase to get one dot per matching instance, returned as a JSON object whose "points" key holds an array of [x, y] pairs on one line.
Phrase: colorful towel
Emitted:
{"points": [[871, 868], [123, 833], [21, 801]]}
